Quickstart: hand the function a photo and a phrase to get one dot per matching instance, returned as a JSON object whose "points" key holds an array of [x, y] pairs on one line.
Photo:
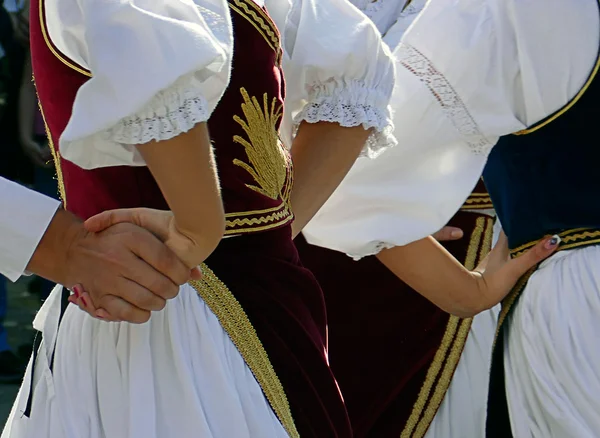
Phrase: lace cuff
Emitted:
{"points": [[351, 104], [170, 112]]}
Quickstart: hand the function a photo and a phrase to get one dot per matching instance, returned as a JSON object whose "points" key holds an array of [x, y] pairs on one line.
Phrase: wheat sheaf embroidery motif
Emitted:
{"points": [[267, 160]]}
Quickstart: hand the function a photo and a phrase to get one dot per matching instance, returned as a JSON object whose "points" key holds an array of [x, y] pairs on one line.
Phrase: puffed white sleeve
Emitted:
{"points": [[24, 218], [456, 80], [157, 69], [336, 69]]}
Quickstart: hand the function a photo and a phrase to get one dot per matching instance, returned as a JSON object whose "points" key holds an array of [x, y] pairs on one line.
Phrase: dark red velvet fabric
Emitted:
{"points": [[262, 269], [382, 334]]}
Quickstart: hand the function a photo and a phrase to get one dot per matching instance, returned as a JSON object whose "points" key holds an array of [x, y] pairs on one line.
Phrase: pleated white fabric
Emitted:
{"points": [[552, 359], [463, 411], [179, 375]]}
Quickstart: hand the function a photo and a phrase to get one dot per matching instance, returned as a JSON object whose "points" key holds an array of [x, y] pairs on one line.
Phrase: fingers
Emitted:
{"points": [[103, 220], [144, 288], [543, 249], [121, 310], [196, 273], [84, 301], [166, 264], [155, 221], [448, 233]]}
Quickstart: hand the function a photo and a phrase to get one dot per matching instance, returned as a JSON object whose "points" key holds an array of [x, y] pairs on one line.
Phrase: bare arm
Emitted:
{"points": [[432, 271], [184, 168], [323, 153]]}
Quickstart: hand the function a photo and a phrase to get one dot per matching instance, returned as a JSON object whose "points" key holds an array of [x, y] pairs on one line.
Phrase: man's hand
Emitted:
{"points": [[447, 234], [125, 269]]}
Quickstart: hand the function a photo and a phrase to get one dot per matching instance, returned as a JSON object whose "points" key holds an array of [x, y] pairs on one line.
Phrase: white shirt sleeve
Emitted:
{"points": [[468, 72], [157, 69], [336, 68], [24, 217]]}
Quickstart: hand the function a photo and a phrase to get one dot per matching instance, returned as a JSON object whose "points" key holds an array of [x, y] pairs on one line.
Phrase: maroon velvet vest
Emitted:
{"points": [[254, 167]]}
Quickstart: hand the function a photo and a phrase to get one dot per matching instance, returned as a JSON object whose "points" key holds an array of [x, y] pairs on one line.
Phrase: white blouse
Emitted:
{"points": [[336, 69], [468, 72], [24, 218], [160, 67]]}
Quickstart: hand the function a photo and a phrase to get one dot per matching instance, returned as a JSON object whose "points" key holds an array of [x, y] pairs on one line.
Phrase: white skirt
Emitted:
{"points": [[552, 352], [179, 375], [462, 413]]}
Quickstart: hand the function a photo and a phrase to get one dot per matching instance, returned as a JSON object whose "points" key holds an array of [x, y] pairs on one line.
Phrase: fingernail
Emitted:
{"points": [[456, 233], [101, 313], [76, 291], [84, 301], [553, 242]]}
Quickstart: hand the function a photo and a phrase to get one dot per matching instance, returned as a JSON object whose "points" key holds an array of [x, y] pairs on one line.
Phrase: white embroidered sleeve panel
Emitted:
{"points": [[157, 68], [463, 80], [337, 69], [24, 218]]}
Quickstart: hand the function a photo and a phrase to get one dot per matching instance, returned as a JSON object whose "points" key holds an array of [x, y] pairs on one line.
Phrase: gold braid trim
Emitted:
{"points": [[569, 239], [440, 372], [55, 157], [551, 118], [263, 24], [235, 322], [62, 58], [279, 218]]}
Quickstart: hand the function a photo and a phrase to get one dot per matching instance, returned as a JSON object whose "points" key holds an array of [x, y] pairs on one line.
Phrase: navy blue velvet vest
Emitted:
{"points": [[547, 179]]}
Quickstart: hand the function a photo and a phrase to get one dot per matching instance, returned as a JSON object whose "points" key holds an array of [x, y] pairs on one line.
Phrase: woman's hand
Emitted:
{"points": [[433, 272], [160, 223], [498, 273]]}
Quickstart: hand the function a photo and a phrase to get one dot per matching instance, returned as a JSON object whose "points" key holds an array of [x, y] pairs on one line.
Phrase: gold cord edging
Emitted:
{"points": [[235, 322]]}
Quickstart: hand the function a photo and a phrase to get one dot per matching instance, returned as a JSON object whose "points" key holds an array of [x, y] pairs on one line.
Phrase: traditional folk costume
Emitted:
{"points": [[405, 367], [242, 352], [471, 72]]}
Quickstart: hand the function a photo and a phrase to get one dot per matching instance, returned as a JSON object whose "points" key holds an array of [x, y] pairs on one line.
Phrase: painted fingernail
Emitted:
{"points": [[553, 242], [84, 301], [76, 291], [101, 313]]}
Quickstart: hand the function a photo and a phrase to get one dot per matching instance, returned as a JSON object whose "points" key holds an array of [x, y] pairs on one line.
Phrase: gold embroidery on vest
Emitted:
{"points": [[268, 161], [445, 361], [235, 322]]}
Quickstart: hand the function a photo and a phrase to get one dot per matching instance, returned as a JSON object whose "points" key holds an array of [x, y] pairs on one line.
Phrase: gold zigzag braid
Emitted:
{"points": [[263, 23]]}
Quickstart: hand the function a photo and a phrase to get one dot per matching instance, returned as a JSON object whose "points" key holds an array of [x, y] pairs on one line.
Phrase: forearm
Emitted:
{"points": [[433, 272], [322, 153], [185, 170]]}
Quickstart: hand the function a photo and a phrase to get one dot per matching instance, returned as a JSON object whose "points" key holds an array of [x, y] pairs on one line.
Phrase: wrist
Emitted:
{"points": [[479, 304], [52, 258]]}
